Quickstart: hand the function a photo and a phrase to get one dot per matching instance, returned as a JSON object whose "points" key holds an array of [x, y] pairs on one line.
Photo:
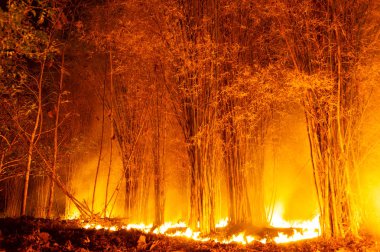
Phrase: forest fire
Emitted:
{"points": [[216, 121], [302, 230]]}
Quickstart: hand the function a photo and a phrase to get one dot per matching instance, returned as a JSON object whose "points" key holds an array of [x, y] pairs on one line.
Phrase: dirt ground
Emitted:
{"points": [[30, 234]]}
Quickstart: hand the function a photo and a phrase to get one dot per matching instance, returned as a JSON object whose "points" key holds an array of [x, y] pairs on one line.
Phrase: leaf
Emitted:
{"points": [[41, 19]]}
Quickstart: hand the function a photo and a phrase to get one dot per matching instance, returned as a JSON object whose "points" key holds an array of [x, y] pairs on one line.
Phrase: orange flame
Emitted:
{"points": [[305, 230]]}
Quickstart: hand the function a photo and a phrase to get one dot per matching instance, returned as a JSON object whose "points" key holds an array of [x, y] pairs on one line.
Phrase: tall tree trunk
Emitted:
{"points": [[157, 159], [239, 206], [56, 147], [101, 140], [33, 137], [112, 134]]}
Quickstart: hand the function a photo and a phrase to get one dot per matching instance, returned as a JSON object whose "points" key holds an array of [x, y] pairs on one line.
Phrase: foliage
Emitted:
{"points": [[224, 69]]}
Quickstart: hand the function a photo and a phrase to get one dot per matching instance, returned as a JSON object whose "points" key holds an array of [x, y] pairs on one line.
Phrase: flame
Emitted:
{"points": [[99, 226], [222, 223], [302, 230], [74, 215], [240, 238], [168, 225]]}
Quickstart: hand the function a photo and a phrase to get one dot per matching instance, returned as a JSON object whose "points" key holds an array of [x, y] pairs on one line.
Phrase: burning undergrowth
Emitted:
{"points": [[29, 234], [279, 232]]}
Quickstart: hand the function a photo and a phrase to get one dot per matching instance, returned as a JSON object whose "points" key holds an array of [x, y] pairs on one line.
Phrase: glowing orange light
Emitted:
{"points": [[308, 229], [302, 230]]}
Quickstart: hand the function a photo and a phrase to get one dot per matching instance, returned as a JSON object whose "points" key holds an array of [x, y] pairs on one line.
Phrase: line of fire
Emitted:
{"points": [[216, 121]]}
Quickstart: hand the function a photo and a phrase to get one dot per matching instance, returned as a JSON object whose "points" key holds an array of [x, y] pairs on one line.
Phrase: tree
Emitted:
{"points": [[28, 31], [134, 64], [250, 67], [324, 41]]}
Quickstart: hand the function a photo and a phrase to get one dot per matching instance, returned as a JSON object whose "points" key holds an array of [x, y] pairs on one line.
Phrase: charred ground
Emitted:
{"points": [[31, 234]]}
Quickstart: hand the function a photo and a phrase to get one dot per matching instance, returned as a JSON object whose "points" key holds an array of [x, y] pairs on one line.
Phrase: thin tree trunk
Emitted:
{"points": [[32, 139], [57, 112], [101, 142], [158, 215], [112, 134]]}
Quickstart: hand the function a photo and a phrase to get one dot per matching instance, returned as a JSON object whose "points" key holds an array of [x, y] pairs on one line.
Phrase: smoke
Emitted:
{"points": [[86, 162], [288, 176], [82, 184], [369, 173]]}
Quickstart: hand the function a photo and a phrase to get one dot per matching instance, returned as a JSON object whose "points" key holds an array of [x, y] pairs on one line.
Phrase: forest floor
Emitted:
{"points": [[30, 234]]}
